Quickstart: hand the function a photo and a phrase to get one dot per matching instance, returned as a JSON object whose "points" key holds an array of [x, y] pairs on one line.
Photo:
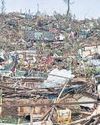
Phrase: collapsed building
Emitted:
{"points": [[50, 75]]}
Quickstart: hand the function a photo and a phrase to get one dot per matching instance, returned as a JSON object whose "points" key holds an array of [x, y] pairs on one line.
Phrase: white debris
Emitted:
{"points": [[58, 77], [86, 99]]}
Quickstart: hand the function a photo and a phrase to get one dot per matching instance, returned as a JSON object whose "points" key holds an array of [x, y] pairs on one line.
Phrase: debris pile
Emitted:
{"points": [[50, 69]]}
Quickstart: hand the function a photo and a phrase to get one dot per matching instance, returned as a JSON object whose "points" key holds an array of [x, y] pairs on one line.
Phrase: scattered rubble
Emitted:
{"points": [[50, 69]]}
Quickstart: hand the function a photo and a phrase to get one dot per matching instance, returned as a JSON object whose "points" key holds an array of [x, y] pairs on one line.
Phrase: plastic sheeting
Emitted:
{"points": [[57, 78]]}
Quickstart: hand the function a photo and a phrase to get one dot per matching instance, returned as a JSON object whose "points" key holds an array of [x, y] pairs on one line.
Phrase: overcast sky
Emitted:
{"points": [[81, 8]]}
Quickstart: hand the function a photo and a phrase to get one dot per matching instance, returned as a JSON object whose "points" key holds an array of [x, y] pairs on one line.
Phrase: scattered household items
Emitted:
{"points": [[49, 69]]}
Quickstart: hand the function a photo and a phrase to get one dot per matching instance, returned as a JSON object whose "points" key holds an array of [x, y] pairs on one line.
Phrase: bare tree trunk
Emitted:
{"points": [[68, 5]]}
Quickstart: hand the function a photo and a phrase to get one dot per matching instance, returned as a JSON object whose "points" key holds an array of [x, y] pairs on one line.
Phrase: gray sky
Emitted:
{"points": [[81, 8]]}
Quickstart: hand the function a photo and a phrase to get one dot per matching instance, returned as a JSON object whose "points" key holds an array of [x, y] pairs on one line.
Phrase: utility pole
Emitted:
{"points": [[3, 6]]}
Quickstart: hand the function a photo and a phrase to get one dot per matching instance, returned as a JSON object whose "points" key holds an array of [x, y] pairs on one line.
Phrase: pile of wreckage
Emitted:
{"points": [[51, 75], [55, 96]]}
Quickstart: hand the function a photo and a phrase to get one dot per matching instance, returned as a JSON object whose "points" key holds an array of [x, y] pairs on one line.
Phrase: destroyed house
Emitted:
{"points": [[39, 36]]}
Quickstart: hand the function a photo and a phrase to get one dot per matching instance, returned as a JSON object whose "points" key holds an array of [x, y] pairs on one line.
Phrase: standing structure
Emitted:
{"points": [[2, 6]]}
